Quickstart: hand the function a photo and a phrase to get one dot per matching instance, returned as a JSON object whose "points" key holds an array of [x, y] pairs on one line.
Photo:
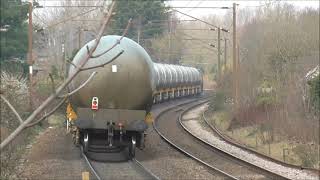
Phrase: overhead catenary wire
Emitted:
{"points": [[72, 0], [188, 39], [69, 6], [150, 22], [266, 4], [222, 7], [150, 29], [166, 21], [223, 29], [68, 19], [195, 6], [72, 17], [192, 38], [183, 53]]}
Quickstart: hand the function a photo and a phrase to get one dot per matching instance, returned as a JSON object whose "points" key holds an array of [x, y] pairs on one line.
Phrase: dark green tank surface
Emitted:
{"points": [[126, 83]]}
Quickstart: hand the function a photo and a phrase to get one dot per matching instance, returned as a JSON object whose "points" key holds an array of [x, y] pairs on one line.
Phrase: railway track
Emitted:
{"points": [[131, 169], [234, 143], [169, 126], [264, 171]]}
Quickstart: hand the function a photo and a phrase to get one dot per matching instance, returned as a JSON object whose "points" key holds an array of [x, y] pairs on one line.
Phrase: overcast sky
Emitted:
{"points": [[198, 12]]}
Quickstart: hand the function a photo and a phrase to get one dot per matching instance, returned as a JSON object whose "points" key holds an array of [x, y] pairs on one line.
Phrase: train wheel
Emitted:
{"points": [[85, 142], [132, 147]]}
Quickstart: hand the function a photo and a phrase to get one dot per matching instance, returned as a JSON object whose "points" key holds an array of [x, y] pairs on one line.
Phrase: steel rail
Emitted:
{"points": [[141, 166], [89, 164], [181, 149], [277, 176], [134, 162], [234, 143]]}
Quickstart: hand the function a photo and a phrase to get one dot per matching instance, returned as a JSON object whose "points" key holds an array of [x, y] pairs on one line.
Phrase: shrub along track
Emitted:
{"points": [[231, 141], [169, 128]]}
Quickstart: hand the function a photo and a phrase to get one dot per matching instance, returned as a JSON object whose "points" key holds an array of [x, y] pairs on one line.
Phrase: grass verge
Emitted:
{"points": [[281, 148]]}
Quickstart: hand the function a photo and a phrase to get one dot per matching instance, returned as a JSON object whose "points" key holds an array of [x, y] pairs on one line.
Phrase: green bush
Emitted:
{"points": [[315, 93], [218, 101], [307, 155], [15, 90], [265, 94], [18, 68]]}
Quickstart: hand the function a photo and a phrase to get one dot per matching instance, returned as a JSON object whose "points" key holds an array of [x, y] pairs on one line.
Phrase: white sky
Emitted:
{"points": [[198, 12]]}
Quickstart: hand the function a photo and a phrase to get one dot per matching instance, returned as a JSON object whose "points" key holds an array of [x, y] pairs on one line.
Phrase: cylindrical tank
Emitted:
{"points": [[175, 75], [180, 75], [126, 83], [171, 76], [157, 75]]}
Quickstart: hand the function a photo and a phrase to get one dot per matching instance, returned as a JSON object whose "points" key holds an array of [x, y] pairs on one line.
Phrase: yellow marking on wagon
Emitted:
{"points": [[71, 115], [149, 118], [85, 175]]}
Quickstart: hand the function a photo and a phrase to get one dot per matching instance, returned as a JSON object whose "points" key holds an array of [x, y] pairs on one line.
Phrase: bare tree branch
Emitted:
{"points": [[47, 115], [113, 46], [102, 65], [118, 41], [81, 86], [72, 17], [70, 62], [126, 29], [88, 49], [12, 108], [49, 100], [52, 83]]}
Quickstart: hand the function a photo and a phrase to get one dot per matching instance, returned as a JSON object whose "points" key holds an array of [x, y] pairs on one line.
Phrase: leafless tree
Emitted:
{"points": [[279, 44], [79, 67]]}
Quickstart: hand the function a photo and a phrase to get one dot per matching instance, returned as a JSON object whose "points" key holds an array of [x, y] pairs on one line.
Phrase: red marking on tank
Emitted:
{"points": [[94, 103]]}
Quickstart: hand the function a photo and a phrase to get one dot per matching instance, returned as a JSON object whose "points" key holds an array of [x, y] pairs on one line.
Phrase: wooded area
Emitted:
{"points": [[278, 46]]}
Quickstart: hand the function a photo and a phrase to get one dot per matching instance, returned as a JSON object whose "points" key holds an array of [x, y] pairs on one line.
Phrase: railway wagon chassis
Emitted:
{"points": [[110, 130], [126, 88]]}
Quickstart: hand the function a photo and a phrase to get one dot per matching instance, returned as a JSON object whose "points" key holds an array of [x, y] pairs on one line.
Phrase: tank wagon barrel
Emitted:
{"points": [[114, 104], [170, 79], [168, 76]]}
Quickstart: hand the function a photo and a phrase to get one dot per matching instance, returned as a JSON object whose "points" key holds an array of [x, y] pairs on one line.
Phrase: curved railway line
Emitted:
{"points": [[169, 126], [234, 143], [129, 169]]}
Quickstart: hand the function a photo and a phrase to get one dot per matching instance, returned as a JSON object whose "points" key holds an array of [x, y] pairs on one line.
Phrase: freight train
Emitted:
{"points": [[110, 111]]}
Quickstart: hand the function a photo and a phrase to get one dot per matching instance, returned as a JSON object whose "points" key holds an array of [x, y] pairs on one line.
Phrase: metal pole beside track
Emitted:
{"points": [[30, 60], [225, 54], [234, 44], [219, 60]]}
